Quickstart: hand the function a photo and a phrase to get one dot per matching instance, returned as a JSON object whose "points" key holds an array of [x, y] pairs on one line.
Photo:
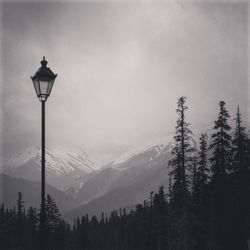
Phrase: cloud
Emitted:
{"points": [[121, 68]]}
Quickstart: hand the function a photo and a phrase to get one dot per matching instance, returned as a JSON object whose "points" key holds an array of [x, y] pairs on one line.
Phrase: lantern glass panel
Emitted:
{"points": [[44, 87], [51, 82], [36, 86]]}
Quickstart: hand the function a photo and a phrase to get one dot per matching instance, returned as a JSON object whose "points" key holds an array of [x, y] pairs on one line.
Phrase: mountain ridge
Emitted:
{"points": [[63, 165], [10, 186]]}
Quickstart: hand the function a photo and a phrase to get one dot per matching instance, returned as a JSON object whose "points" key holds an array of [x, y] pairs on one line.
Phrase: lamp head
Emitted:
{"points": [[43, 81]]}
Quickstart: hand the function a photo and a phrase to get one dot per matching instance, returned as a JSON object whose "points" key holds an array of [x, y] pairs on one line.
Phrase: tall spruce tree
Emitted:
{"points": [[20, 205], [203, 169], [221, 143], [53, 217], [202, 172], [221, 159], [54, 223], [241, 145], [20, 220], [31, 228], [199, 210], [195, 179], [240, 164], [181, 155], [160, 214]]}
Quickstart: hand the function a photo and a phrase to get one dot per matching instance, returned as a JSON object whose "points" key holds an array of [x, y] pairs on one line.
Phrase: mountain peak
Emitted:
{"points": [[21, 157], [63, 164], [158, 145]]}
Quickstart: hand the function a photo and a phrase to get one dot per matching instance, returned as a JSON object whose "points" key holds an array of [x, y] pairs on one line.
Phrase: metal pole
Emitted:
{"points": [[43, 214]]}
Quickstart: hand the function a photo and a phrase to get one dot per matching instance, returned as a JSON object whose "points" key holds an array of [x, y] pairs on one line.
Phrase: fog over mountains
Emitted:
{"points": [[90, 188], [127, 170], [63, 165], [80, 185], [10, 186]]}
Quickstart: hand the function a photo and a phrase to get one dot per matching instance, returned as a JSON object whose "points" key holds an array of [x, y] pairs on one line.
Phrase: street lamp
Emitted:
{"points": [[43, 81]]}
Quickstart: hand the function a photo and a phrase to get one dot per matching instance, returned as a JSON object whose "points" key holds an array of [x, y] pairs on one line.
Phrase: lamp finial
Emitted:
{"points": [[44, 62]]}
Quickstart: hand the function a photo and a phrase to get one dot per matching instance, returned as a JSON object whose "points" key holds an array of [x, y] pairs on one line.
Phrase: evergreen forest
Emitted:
{"points": [[205, 205]]}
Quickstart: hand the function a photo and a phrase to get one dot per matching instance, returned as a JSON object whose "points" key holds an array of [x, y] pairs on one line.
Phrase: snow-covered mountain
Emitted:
{"points": [[64, 165], [127, 180], [130, 168], [153, 150]]}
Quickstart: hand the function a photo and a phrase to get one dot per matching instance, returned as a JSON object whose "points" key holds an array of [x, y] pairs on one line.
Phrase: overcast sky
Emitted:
{"points": [[121, 68]]}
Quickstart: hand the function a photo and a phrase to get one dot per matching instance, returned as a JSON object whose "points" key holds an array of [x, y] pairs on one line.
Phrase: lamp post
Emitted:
{"points": [[43, 81]]}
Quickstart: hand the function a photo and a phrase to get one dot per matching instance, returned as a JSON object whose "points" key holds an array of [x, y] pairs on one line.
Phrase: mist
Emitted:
{"points": [[121, 67]]}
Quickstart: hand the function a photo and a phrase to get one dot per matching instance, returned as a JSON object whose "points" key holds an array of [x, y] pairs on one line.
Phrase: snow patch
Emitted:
{"points": [[22, 157], [159, 145], [59, 160]]}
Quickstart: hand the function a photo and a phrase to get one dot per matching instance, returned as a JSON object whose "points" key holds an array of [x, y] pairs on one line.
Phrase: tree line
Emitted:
{"points": [[205, 206]]}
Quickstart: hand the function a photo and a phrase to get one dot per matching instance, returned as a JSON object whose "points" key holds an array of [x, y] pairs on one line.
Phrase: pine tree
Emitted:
{"points": [[241, 145], [54, 224], [170, 190], [169, 213], [199, 210], [181, 156], [221, 144], [53, 217], [195, 179], [221, 161], [203, 169], [31, 224], [20, 220], [201, 176], [240, 164], [160, 218], [20, 206]]}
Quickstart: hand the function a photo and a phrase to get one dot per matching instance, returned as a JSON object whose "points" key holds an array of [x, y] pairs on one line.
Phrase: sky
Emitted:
{"points": [[121, 67]]}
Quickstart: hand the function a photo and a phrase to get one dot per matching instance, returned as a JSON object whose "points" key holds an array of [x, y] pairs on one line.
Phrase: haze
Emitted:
{"points": [[121, 68]]}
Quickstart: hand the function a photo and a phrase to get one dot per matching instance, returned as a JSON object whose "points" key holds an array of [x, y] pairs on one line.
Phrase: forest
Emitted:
{"points": [[205, 205]]}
